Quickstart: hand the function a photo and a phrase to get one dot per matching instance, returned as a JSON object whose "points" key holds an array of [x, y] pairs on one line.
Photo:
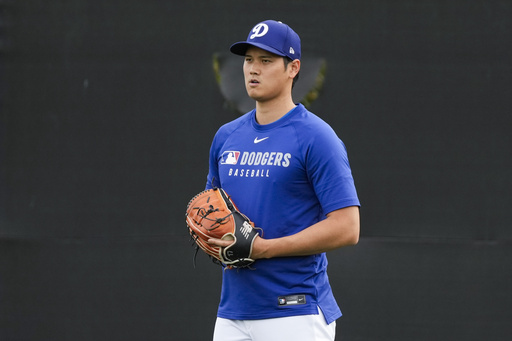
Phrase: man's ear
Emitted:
{"points": [[294, 67]]}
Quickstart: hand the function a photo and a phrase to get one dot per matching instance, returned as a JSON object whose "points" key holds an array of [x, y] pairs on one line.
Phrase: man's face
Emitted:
{"points": [[266, 77]]}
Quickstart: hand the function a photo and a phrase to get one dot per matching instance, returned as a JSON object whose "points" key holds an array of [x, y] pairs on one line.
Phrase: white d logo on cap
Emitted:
{"points": [[259, 31]]}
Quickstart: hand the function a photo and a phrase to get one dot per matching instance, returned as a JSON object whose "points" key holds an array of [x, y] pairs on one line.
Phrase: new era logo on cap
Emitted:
{"points": [[273, 36]]}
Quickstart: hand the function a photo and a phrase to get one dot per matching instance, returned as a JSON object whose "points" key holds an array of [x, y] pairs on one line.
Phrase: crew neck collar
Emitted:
{"points": [[279, 122]]}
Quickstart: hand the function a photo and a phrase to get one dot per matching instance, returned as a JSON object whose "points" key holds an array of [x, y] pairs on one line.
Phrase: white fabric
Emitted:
{"points": [[293, 328]]}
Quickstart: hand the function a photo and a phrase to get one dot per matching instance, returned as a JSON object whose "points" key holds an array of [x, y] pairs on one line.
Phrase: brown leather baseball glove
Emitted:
{"points": [[212, 214]]}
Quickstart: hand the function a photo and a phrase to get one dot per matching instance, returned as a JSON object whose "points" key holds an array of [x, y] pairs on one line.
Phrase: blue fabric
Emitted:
{"points": [[285, 177]]}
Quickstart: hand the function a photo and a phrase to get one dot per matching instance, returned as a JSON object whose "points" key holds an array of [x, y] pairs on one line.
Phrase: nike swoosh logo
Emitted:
{"points": [[257, 140]]}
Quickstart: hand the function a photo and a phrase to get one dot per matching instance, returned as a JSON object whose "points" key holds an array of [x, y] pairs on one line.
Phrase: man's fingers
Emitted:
{"points": [[220, 242]]}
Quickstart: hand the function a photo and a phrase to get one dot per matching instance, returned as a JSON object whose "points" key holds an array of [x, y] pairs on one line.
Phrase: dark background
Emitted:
{"points": [[108, 109]]}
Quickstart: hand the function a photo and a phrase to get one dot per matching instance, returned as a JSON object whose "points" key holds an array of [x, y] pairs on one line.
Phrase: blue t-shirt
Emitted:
{"points": [[285, 176]]}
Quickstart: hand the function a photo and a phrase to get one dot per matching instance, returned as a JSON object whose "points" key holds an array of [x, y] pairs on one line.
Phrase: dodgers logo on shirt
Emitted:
{"points": [[253, 164], [230, 157]]}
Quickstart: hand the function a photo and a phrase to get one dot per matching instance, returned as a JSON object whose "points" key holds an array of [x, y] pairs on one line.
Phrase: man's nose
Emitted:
{"points": [[254, 69]]}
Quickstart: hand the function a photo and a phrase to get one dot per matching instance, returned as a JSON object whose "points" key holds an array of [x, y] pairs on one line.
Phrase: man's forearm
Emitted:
{"points": [[340, 228]]}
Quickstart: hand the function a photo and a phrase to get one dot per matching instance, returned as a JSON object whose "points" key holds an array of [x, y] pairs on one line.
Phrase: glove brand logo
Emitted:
{"points": [[246, 229], [230, 158], [259, 31]]}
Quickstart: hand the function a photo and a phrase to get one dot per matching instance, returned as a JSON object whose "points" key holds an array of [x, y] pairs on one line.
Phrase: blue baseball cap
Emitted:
{"points": [[273, 36]]}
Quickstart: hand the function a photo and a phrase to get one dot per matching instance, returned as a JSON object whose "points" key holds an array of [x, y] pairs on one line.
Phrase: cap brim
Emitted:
{"points": [[241, 47]]}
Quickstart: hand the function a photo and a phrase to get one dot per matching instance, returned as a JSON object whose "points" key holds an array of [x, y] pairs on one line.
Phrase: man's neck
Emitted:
{"points": [[267, 113]]}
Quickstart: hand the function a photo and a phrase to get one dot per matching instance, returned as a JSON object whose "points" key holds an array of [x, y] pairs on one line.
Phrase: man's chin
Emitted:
{"points": [[255, 97]]}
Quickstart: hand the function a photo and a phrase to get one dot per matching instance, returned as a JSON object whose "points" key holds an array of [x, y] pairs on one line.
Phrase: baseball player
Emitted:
{"points": [[288, 171]]}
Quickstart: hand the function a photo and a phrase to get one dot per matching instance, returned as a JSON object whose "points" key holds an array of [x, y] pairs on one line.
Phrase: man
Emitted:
{"points": [[287, 170]]}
